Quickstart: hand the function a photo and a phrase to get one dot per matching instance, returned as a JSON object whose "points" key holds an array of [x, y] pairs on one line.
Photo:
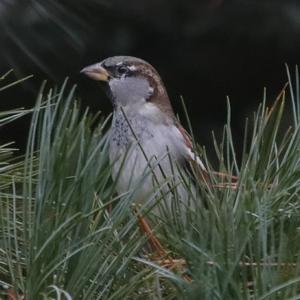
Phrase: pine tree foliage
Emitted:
{"points": [[66, 234]]}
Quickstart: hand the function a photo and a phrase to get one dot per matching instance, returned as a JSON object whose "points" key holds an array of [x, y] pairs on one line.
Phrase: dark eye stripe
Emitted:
{"points": [[118, 70], [122, 69]]}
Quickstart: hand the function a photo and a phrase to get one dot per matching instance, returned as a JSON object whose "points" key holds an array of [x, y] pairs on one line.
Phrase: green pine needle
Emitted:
{"points": [[66, 234]]}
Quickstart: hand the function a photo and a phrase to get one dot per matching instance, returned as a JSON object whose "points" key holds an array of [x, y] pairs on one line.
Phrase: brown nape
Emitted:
{"points": [[160, 96]]}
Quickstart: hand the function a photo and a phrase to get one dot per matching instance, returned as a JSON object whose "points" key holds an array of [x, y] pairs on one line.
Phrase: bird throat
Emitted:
{"points": [[128, 91], [127, 129]]}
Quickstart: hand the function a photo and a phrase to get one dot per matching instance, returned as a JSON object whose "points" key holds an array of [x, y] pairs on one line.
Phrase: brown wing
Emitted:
{"points": [[195, 166]]}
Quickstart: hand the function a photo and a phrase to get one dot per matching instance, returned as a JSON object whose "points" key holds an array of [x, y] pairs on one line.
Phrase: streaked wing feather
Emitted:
{"points": [[193, 165]]}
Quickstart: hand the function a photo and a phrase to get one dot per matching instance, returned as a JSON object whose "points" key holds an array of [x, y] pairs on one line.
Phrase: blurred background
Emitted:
{"points": [[204, 51]]}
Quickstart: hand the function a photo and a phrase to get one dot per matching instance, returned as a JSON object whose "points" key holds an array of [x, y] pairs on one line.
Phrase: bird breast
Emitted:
{"points": [[140, 148]]}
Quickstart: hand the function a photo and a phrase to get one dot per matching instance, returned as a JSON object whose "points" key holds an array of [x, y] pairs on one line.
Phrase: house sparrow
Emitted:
{"points": [[146, 140]]}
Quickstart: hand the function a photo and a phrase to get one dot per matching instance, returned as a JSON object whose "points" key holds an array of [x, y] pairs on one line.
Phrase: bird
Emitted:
{"points": [[144, 127], [149, 149]]}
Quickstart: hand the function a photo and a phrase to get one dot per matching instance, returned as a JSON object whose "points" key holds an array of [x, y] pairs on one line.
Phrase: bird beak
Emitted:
{"points": [[96, 72]]}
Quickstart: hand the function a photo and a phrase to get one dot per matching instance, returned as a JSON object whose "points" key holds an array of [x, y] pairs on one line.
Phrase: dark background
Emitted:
{"points": [[204, 50]]}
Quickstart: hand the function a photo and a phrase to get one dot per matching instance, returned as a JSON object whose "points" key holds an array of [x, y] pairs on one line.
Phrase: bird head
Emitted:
{"points": [[131, 82]]}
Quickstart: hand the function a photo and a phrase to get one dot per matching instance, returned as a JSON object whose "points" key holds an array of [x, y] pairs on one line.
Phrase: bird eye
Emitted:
{"points": [[122, 70]]}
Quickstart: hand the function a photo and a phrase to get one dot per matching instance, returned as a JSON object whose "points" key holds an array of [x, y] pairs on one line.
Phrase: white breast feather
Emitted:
{"points": [[156, 139]]}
